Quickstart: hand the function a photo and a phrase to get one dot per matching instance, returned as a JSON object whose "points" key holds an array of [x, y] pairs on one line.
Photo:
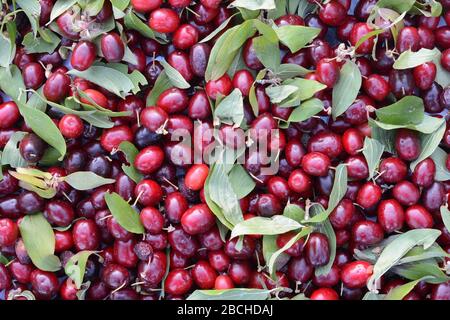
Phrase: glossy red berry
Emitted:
{"points": [[424, 75], [328, 72], [164, 20], [197, 219], [390, 215], [355, 274], [71, 126], [359, 30], [112, 46], [221, 86], [83, 55]]}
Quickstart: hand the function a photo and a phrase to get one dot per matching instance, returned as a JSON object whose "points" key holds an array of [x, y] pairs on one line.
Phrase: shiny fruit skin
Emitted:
{"points": [[83, 55]]}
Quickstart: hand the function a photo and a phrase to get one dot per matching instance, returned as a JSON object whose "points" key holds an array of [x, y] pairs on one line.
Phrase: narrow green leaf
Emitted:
{"points": [[39, 241], [162, 84], [34, 44], [272, 263], [327, 229], [218, 29], [130, 152], [336, 195], [11, 154], [44, 127], [439, 157], [279, 93], [174, 76], [415, 271], [346, 89], [231, 109], [429, 143], [372, 151], [428, 125], [394, 251], [86, 180], [408, 110], [296, 37], [241, 182], [125, 215], [409, 59], [277, 224], [398, 293], [445, 214], [11, 83], [75, 267], [294, 212], [212, 205], [60, 7], [108, 77], [291, 70], [267, 52], [306, 110], [442, 75], [222, 193]]}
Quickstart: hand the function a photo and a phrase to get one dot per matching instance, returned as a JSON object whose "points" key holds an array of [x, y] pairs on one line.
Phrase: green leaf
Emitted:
{"points": [[409, 59], [445, 215], [272, 263], [254, 4], [120, 4], [442, 75], [346, 89], [60, 7], [174, 76], [399, 6], [291, 70], [7, 49], [306, 90], [280, 93], [398, 293], [367, 36], [279, 11], [327, 229], [130, 152], [241, 182], [428, 125], [395, 250], [218, 29], [415, 271], [11, 154], [212, 205], [277, 224], [429, 143], [11, 83], [86, 180], [32, 10], [385, 137], [124, 213], [267, 52], [296, 37], [439, 157], [269, 247], [231, 109], [34, 44], [230, 294], [44, 127], [162, 83], [75, 267], [3, 259], [306, 110], [294, 212], [336, 195], [226, 48], [108, 77], [222, 193], [36, 102], [252, 94], [93, 7], [408, 110], [372, 151], [39, 241]]}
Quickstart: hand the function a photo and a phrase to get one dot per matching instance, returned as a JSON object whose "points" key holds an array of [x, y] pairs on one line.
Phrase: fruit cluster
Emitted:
{"points": [[290, 149]]}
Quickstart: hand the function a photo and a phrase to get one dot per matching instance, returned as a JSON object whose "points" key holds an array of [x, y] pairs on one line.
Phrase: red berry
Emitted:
{"points": [[221, 86], [164, 20], [83, 55]]}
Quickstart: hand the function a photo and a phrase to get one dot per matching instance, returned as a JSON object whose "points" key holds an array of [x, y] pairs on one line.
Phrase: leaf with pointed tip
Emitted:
{"points": [[124, 213], [346, 89], [86, 180]]}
